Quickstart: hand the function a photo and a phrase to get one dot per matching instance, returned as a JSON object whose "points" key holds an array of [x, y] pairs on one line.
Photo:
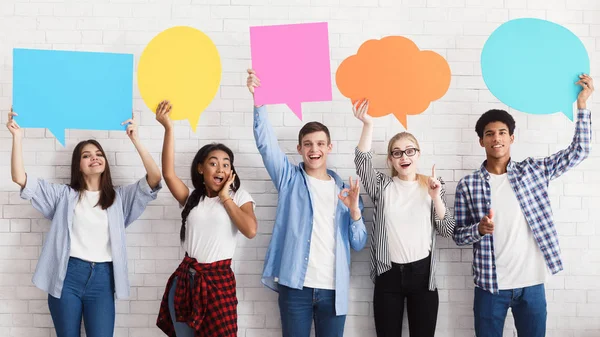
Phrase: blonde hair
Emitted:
{"points": [[422, 179]]}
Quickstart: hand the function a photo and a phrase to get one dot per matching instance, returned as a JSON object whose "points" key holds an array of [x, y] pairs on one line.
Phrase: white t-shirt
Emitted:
{"points": [[210, 234], [90, 239], [519, 260], [408, 221], [320, 273]]}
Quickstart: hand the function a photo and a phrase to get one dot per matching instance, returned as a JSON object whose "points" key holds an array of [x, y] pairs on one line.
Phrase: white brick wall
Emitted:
{"points": [[456, 29]]}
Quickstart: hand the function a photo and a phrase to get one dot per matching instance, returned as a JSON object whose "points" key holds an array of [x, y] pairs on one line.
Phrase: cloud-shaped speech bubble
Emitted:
{"points": [[183, 65], [532, 65], [395, 76], [60, 90]]}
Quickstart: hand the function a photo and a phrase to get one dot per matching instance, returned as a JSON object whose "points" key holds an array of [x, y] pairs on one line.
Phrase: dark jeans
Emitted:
{"points": [[299, 307], [88, 292], [528, 307], [408, 281]]}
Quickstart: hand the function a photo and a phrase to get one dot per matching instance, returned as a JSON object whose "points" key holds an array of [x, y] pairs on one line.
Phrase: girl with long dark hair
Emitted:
{"points": [[200, 297], [83, 263]]}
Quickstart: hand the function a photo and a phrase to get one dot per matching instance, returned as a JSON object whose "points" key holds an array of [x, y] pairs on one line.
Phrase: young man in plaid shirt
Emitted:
{"points": [[512, 260]]}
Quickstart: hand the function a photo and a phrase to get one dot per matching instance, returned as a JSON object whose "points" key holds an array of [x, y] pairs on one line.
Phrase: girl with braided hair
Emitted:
{"points": [[200, 297]]}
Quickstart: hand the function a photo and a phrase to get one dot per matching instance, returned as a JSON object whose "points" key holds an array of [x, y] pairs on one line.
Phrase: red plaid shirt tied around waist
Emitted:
{"points": [[207, 302]]}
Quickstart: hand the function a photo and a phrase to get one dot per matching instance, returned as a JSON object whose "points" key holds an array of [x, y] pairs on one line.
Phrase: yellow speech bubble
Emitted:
{"points": [[180, 64]]}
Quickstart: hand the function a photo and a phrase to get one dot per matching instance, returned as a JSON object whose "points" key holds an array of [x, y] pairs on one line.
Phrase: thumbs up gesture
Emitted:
{"points": [[486, 225]]}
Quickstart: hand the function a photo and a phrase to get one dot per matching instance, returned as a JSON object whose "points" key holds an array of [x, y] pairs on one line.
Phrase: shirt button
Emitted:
{"points": [[306, 259]]}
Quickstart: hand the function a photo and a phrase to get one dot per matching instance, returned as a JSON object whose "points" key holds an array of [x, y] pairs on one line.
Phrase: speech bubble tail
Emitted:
{"points": [[402, 119], [296, 108], [568, 112], [59, 134], [193, 120]]}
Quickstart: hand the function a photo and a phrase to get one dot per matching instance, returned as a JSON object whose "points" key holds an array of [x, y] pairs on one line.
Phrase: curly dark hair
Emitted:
{"points": [[198, 181], [495, 115]]}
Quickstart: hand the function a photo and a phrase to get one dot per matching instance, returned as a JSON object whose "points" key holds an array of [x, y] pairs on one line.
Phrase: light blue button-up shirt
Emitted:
{"points": [[287, 256], [57, 202]]}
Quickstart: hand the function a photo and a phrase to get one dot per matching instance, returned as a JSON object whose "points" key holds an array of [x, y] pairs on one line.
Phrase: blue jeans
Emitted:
{"points": [[528, 308], [181, 328], [88, 292], [299, 307]]}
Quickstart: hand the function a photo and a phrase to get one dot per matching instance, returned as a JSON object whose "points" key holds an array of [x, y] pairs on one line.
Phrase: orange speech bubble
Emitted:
{"points": [[395, 76]]}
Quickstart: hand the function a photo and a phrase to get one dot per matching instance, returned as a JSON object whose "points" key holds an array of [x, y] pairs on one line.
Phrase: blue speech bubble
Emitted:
{"points": [[62, 90], [532, 65]]}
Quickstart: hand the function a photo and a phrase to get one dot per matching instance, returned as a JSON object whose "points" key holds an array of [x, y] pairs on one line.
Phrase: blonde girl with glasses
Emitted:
{"points": [[409, 209]]}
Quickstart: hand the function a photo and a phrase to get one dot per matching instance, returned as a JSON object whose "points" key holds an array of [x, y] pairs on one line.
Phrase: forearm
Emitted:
{"points": [[366, 138], [17, 169], [440, 207], [245, 222], [168, 154], [152, 170], [355, 214]]}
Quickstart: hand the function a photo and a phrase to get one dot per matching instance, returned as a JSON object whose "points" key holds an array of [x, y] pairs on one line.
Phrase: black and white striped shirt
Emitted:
{"points": [[375, 183]]}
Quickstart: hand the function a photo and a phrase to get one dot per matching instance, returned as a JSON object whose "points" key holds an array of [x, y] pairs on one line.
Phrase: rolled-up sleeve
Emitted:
{"points": [[43, 195], [136, 197]]}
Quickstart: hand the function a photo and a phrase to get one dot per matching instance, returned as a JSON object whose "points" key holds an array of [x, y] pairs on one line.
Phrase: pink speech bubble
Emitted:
{"points": [[292, 62]]}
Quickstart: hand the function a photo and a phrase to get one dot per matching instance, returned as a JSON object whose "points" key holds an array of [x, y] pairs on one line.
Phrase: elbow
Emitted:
{"points": [[19, 180], [251, 232]]}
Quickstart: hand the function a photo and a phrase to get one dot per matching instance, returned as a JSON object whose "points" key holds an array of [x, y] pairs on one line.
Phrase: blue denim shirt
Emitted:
{"points": [[287, 256], [57, 202]]}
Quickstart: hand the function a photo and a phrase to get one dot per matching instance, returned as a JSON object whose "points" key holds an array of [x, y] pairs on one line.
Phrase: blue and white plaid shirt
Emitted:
{"points": [[529, 179]]}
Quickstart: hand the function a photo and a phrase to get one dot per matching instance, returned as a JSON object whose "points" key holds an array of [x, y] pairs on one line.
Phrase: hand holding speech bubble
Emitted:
{"points": [[293, 64], [62, 90], [395, 76], [183, 65], [532, 65]]}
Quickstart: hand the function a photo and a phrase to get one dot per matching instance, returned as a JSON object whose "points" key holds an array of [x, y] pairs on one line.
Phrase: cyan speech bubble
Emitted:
{"points": [[61, 90], [532, 65]]}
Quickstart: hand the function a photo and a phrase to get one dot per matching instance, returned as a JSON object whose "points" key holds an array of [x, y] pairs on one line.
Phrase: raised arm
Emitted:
{"points": [[360, 110], [275, 161], [176, 186], [152, 170], [17, 169], [43, 195], [579, 149], [363, 157]]}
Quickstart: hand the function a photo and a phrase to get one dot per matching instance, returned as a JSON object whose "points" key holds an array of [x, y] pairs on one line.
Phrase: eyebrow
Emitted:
{"points": [[502, 129], [213, 157], [408, 147]]}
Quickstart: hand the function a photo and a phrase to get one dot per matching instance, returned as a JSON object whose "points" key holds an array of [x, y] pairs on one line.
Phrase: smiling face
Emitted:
{"points": [[496, 140], [215, 169], [314, 148], [92, 160], [404, 165]]}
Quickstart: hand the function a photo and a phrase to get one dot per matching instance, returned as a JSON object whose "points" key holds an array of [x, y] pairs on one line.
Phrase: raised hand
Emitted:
{"points": [[132, 128], [360, 109], [252, 81], [162, 114], [224, 192], [12, 125], [434, 185], [587, 87], [350, 197]]}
